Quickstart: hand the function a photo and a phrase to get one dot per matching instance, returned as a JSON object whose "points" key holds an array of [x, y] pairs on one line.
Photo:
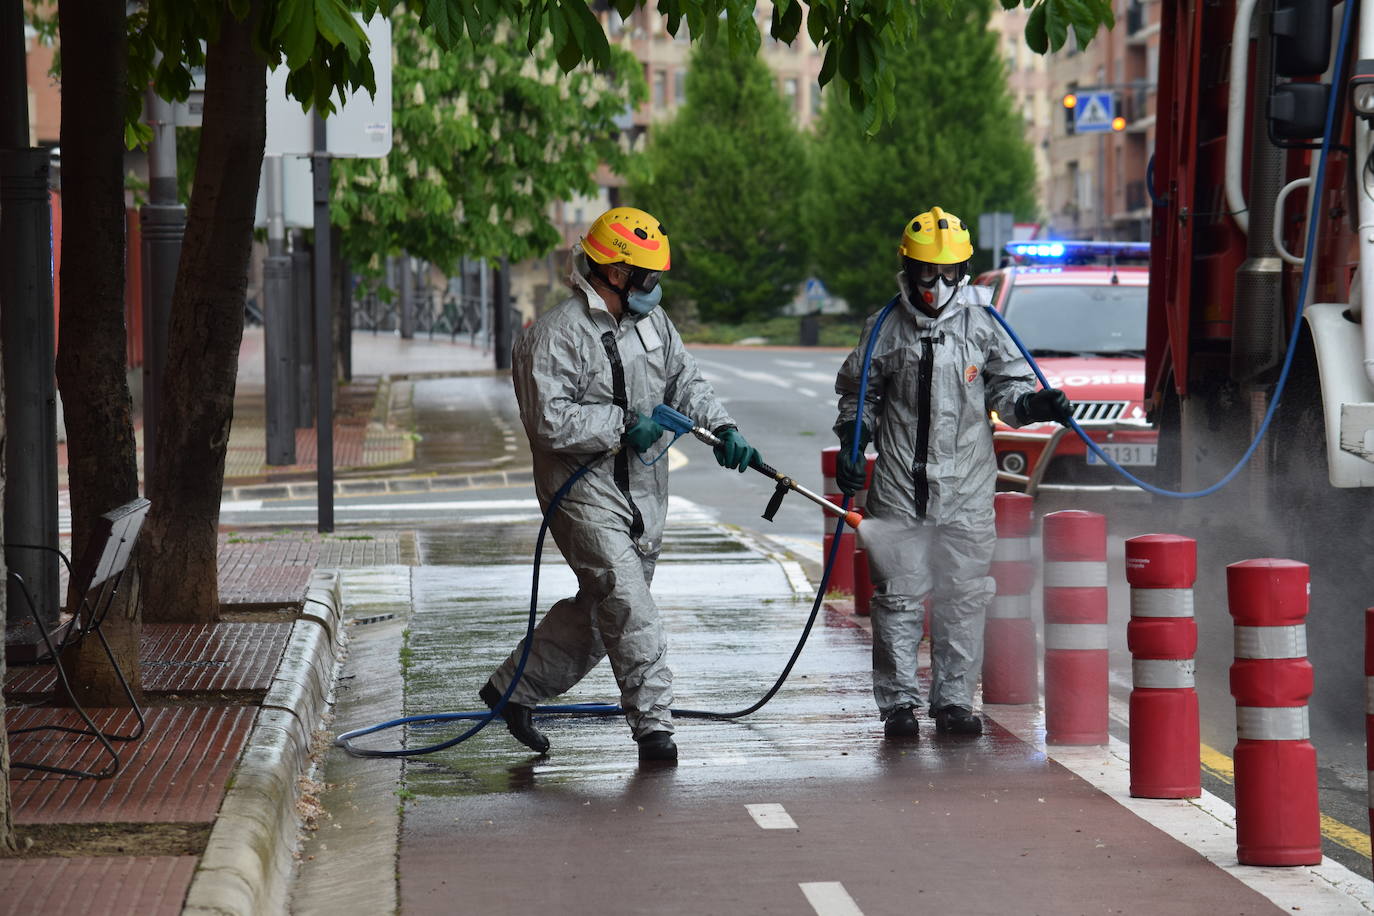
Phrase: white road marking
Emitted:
{"points": [[820, 378], [749, 375], [807, 392], [771, 816], [795, 363], [829, 898], [471, 505]]}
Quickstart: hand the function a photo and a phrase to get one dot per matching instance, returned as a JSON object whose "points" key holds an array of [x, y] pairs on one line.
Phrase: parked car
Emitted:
{"points": [[1080, 308]]}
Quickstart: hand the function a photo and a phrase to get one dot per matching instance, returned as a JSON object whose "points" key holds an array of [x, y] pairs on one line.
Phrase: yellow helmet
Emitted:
{"points": [[936, 237], [630, 236]]}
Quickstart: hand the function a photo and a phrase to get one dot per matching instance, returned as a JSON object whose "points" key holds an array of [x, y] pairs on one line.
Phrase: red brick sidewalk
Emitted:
{"points": [[130, 844]]}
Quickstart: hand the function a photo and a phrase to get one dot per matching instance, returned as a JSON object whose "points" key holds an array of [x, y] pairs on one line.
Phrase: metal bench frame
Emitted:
{"points": [[95, 581]]}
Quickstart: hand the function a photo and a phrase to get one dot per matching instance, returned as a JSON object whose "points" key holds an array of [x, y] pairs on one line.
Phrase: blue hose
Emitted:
{"points": [[1346, 21]]}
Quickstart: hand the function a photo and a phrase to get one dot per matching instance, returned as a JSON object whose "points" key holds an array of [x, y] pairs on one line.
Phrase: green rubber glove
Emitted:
{"points": [[642, 432], [734, 450]]}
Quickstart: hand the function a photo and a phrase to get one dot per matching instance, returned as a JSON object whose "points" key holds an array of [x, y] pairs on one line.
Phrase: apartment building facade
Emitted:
{"points": [[1091, 185]]}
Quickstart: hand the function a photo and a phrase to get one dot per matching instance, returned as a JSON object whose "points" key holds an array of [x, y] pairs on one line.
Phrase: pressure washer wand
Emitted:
{"points": [[681, 424]]}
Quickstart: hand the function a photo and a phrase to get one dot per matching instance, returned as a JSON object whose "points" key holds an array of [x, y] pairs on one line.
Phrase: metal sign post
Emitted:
{"points": [[360, 127]]}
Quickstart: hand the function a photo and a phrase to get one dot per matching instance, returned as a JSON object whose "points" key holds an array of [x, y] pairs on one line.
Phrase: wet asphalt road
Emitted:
{"points": [[784, 407]]}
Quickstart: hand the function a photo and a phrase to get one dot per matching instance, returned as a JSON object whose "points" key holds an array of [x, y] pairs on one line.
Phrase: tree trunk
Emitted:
{"points": [[7, 843], [91, 364], [180, 580]]}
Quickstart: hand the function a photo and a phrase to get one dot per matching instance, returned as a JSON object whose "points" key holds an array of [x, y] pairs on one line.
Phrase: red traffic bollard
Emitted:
{"points": [[1369, 707], [863, 581], [1009, 663], [842, 571], [1278, 821], [1075, 593], [1162, 636]]}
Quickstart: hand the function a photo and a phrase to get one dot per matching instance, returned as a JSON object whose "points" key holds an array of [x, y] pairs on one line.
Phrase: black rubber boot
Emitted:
{"points": [[901, 723], [519, 719], [957, 720], [656, 746]]}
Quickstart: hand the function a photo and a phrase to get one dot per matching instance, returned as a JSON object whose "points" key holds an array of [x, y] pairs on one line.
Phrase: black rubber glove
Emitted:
{"points": [[734, 450], [852, 474], [1041, 406], [642, 432]]}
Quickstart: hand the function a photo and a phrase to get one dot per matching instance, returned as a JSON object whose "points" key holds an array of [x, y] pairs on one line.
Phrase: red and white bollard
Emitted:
{"points": [[1075, 597], [1009, 663], [1369, 707], [863, 580], [1162, 637], [842, 571], [1278, 821]]}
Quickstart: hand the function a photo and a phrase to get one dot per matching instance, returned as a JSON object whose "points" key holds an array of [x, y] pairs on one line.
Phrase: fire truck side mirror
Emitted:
{"points": [[1302, 38], [1297, 111]]}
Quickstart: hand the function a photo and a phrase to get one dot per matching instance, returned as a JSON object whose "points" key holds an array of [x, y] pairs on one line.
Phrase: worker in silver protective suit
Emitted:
{"points": [[941, 362], [587, 376]]}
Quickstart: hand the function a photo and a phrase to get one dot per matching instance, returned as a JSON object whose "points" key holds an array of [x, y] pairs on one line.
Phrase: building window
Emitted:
{"points": [[660, 88], [815, 98], [680, 87], [790, 90]]}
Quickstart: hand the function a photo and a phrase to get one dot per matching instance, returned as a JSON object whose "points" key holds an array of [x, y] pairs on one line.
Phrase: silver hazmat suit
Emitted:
{"points": [[931, 384], [578, 375]]}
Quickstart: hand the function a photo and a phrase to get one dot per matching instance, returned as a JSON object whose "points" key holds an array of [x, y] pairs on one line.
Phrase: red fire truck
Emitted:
{"points": [[1253, 97]]}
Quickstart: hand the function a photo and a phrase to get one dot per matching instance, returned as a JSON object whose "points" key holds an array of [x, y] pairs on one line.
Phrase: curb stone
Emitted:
{"points": [[248, 861]]}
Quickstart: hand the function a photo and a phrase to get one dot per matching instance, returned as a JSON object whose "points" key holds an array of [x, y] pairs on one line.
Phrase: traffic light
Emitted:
{"points": [[1118, 123], [1070, 102]]}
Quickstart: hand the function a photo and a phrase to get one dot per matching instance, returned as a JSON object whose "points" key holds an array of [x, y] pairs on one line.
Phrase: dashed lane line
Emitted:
{"points": [[771, 816], [829, 898]]}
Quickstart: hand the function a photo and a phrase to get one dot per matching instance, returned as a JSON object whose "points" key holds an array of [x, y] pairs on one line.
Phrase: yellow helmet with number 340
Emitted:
{"points": [[629, 236]]}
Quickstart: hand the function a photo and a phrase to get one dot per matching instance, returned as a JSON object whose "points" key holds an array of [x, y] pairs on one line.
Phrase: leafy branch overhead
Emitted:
{"points": [[326, 50], [1047, 27]]}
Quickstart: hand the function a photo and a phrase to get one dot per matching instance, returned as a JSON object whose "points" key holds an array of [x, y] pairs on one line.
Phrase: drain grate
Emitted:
{"points": [[374, 618]]}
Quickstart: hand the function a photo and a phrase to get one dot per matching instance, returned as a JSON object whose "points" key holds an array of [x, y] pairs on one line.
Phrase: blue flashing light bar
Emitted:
{"points": [[1048, 250]]}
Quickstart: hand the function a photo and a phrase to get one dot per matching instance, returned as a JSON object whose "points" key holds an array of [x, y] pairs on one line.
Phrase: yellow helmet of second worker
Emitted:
{"points": [[936, 237], [629, 236]]}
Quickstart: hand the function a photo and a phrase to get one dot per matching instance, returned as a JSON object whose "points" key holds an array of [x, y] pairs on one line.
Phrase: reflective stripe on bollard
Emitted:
{"points": [[1009, 662], [1164, 732], [1278, 821], [1076, 636]]}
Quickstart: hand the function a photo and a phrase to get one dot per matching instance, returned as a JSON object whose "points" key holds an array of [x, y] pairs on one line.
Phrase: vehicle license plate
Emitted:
{"points": [[1126, 453]]}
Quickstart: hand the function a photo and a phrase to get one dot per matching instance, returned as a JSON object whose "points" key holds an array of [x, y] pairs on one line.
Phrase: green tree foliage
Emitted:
{"points": [[724, 177], [485, 138], [955, 142]]}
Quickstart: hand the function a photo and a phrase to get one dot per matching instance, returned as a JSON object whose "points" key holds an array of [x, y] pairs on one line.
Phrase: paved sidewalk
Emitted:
{"points": [[802, 807]]}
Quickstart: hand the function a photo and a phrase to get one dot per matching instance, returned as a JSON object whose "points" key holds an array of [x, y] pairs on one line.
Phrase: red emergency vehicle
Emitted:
{"points": [[1080, 308]]}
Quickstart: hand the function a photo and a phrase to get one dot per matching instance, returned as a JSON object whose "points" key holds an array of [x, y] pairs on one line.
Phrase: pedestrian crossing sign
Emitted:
{"points": [[1094, 113]]}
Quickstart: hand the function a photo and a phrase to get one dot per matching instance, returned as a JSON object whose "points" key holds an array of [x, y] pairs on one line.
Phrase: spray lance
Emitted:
{"points": [[680, 424]]}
